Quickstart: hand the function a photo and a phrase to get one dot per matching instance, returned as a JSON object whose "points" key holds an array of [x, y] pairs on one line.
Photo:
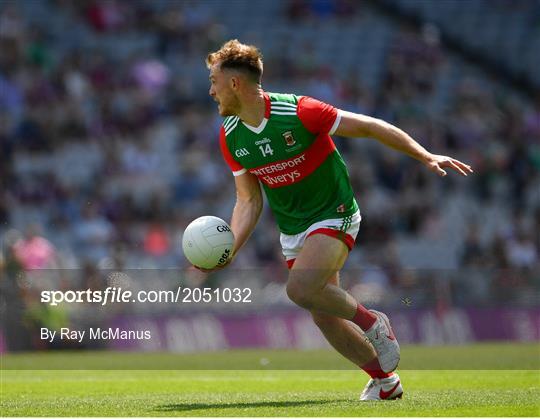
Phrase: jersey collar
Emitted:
{"points": [[260, 128]]}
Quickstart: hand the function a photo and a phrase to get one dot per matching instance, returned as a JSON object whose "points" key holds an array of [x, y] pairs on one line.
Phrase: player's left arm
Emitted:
{"points": [[357, 125]]}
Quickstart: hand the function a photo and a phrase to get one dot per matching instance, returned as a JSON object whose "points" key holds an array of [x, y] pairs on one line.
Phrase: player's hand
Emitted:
{"points": [[207, 271], [437, 163], [217, 268]]}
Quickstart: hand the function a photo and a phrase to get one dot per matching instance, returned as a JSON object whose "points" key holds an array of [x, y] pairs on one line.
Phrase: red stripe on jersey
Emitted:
{"points": [[266, 106], [292, 170], [227, 156], [318, 117]]}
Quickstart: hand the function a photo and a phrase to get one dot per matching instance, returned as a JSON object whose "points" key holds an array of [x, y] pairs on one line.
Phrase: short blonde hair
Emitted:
{"points": [[237, 56]]}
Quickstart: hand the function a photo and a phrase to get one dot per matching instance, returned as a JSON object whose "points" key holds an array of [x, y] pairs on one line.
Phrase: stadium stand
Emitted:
{"points": [[109, 138]]}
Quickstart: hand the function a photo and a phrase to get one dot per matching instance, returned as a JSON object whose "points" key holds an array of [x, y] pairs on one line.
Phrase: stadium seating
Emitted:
{"points": [[90, 133]]}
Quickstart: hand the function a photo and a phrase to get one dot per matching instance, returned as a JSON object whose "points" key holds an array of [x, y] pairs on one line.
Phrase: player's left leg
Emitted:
{"points": [[344, 336], [348, 339]]}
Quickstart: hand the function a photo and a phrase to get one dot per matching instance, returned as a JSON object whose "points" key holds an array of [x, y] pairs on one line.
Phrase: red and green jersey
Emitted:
{"points": [[291, 153]]}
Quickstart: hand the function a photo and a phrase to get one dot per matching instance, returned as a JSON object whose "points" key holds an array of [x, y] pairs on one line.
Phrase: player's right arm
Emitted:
{"points": [[247, 210], [249, 201]]}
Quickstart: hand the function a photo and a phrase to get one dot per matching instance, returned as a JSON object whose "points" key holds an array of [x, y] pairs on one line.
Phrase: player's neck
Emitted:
{"points": [[253, 108]]}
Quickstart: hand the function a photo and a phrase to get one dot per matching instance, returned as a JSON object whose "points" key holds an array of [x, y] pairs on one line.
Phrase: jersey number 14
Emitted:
{"points": [[266, 150]]}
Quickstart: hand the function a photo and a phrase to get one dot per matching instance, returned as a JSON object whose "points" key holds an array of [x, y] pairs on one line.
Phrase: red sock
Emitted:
{"points": [[363, 318], [373, 368]]}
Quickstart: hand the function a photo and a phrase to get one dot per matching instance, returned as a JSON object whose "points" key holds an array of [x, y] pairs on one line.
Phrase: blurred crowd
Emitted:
{"points": [[107, 153]]}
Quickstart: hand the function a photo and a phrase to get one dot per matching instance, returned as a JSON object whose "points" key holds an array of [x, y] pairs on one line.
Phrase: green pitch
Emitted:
{"points": [[252, 392]]}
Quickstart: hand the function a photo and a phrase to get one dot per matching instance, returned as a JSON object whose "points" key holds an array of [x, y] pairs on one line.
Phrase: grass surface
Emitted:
{"points": [[258, 392], [485, 356]]}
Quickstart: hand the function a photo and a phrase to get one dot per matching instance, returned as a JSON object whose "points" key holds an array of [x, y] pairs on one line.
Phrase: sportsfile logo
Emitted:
{"points": [[115, 295]]}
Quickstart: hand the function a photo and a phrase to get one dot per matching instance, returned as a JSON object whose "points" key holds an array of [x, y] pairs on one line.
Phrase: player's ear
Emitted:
{"points": [[234, 82]]}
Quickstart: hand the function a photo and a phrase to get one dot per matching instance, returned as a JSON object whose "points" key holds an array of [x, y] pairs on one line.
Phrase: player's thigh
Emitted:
{"points": [[320, 260]]}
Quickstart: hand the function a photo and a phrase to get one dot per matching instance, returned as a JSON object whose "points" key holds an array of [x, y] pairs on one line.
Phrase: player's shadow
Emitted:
{"points": [[183, 407]]}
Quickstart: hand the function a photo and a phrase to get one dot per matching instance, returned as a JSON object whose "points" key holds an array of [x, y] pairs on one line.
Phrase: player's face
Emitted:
{"points": [[222, 92]]}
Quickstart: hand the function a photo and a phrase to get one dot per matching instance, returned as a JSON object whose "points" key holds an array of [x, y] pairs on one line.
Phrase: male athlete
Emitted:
{"points": [[282, 141]]}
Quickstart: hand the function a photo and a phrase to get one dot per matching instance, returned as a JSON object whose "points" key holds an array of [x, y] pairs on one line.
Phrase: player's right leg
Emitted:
{"points": [[320, 258]]}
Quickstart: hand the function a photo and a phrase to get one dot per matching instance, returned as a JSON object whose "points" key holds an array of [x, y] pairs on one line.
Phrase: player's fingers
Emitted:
{"points": [[439, 170], [467, 168], [458, 169], [464, 166], [202, 269]]}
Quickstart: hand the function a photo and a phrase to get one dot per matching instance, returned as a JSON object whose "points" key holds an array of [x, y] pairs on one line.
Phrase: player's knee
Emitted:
{"points": [[299, 294]]}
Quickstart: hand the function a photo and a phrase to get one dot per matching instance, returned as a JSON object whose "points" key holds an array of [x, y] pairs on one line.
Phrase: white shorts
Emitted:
{"points": [[344, 229]]}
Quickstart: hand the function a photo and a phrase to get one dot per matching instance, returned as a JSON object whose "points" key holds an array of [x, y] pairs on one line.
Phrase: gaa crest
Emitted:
{"points": [[289, 139]]}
